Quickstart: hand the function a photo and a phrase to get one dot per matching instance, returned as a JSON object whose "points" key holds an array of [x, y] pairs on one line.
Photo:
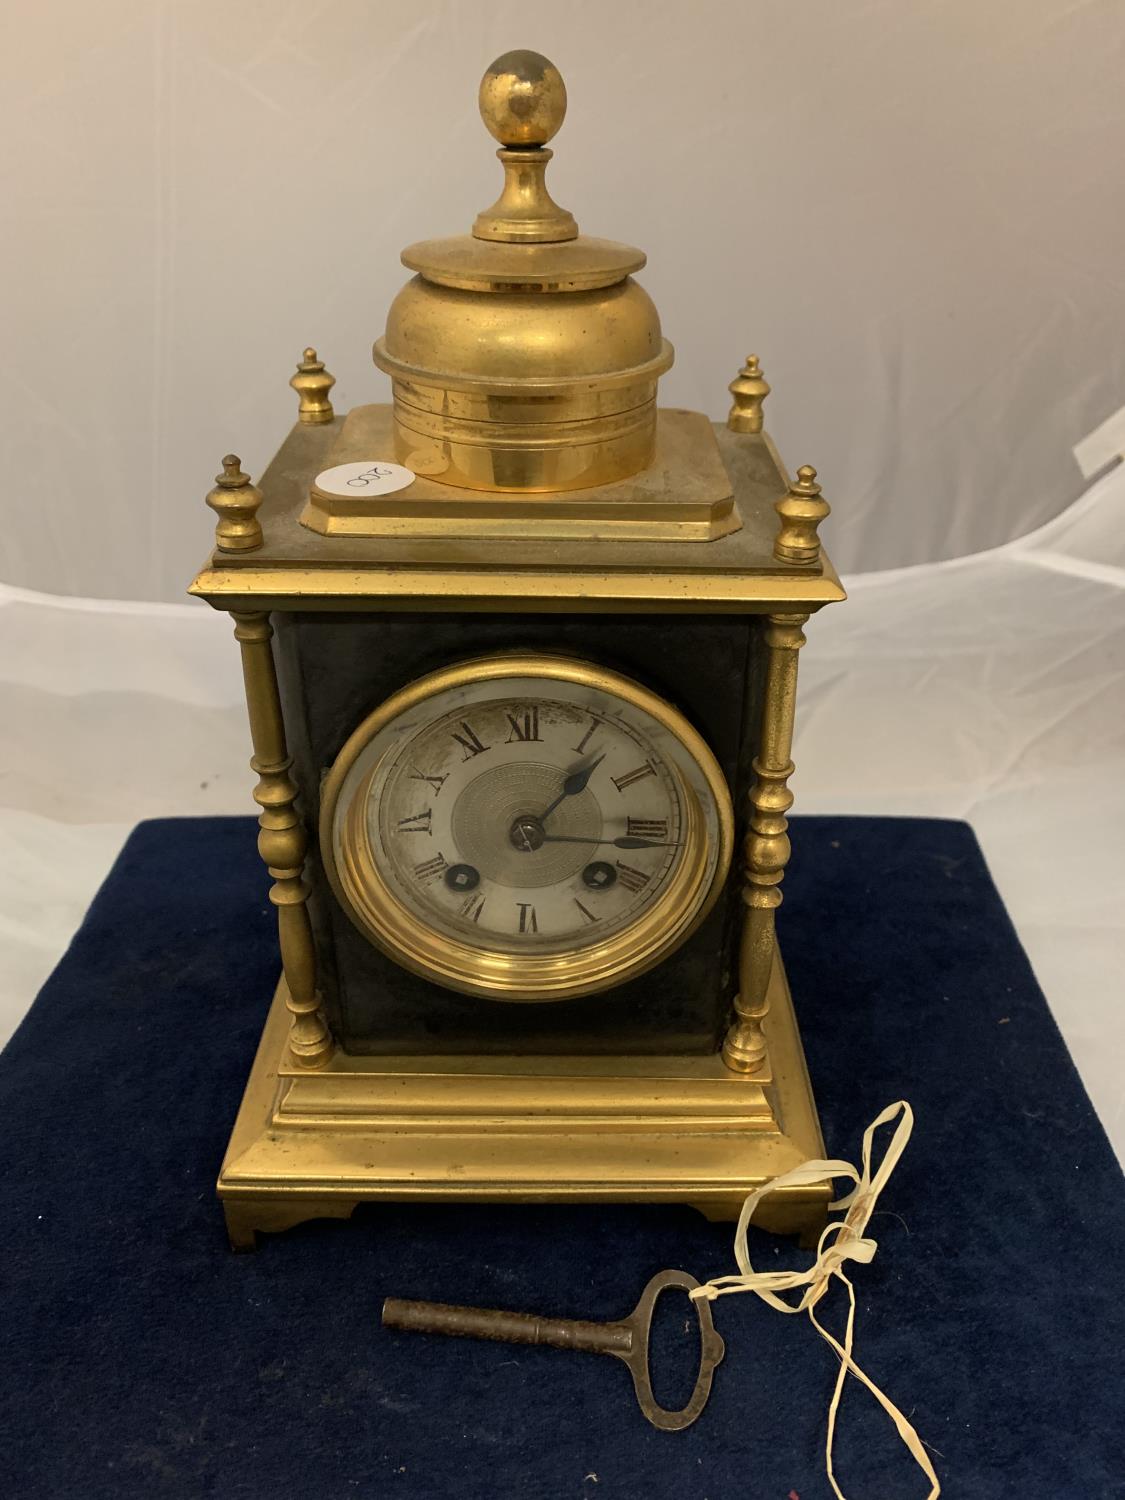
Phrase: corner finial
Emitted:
{"points": [[235, 500], [523, 103], [749, 389], [801, 510], [312, 383]]}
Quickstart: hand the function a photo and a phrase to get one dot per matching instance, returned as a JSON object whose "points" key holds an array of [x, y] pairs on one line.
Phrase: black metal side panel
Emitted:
{"points": [[336, 668]]}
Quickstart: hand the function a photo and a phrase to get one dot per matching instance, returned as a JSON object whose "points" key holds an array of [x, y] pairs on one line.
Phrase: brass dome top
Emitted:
{"points": [[523, 356]]}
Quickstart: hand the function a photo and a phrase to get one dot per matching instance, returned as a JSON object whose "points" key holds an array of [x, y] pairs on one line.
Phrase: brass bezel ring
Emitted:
{"points": [[493, 972]]}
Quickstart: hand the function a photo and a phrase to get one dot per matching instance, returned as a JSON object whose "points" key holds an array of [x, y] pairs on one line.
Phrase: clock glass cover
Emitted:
{"points": [[526, 827]]}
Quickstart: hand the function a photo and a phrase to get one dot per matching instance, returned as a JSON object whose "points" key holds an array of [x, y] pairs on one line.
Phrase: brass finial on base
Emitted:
{"points": [[235, 500], [749, 389], [523, 103], [312, 383], [801, 510]]}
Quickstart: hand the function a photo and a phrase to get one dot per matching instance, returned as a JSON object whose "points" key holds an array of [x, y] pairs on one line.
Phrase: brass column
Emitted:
{"points": [[765, 850], [282, 842]]}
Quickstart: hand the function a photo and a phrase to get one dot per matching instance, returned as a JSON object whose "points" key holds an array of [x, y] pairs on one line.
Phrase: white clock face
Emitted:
{"points": [[528, 819], [512, 818]]}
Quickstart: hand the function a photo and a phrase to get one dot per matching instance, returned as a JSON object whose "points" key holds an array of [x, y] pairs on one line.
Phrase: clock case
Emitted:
{"points": [[622, 1095], [336, 669], [676, 552]]}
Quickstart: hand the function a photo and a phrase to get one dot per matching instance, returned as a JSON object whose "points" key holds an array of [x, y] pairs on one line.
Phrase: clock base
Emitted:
{"points": [[310, 1145]]}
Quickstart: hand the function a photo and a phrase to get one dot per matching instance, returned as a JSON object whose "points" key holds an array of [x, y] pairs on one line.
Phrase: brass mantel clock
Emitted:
{"points": [[520, 653]]}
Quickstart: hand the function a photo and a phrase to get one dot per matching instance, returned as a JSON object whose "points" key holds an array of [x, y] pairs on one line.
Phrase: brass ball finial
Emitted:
{"points": [[522, 99], [523, 103]]}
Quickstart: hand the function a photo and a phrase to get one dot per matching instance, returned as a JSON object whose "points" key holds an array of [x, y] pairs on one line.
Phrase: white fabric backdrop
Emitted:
{"points": [[911, 212]]}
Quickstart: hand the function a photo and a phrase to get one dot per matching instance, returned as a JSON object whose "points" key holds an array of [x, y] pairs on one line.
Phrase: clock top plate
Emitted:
{"points": [[297, 567]]}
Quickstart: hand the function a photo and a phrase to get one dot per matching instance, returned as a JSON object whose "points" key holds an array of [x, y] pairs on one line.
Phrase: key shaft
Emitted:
{"points": [[507, 1327]]}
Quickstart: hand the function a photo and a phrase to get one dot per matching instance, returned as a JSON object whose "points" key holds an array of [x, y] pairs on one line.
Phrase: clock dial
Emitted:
{"points": [[527, 828], [493, 822]]}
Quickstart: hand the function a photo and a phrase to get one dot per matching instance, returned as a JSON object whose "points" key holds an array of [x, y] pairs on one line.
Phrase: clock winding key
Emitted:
{"points": [[627, 1340]]}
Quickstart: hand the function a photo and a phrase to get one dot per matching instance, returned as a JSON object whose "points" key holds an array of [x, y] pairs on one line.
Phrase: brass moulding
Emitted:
{"points": [[470, 264], [685, 494], [490, 1129]]}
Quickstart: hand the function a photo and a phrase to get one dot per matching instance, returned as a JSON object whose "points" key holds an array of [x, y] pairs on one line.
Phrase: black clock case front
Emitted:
{"points": [[336, 668]]}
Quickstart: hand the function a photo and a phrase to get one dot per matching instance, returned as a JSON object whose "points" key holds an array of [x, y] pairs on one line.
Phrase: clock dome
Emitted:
{"points": [[523, 356]]}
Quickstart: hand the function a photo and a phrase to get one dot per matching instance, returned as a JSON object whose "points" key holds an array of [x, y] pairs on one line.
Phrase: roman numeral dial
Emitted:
{"points": [[632, 878], [527, 831], [466, 736], [524, 725], [534, 820], [417, 822], [429, 869], [630, 778], [646, 828]]}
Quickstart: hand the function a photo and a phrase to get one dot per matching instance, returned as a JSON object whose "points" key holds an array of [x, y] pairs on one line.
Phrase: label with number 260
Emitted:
{"points": [[372, 477]]}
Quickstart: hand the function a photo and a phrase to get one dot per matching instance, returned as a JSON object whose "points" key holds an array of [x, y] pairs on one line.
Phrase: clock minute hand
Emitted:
{"points": [[574, 783]]}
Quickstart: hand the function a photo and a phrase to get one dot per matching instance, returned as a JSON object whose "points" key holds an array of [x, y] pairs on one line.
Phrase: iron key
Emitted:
{"points": [[626, 1340]]}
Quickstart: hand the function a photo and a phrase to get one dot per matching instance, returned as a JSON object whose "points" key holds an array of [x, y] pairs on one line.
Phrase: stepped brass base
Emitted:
{"points": [[527, 1129]]}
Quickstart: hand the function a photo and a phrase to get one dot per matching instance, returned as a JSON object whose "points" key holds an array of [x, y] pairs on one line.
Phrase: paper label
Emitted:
{"points": [[372, 477], [1100, 447]]}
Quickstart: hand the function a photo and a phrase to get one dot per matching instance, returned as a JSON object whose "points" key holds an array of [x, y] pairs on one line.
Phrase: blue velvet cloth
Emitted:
{"points": [[142, 1358]]}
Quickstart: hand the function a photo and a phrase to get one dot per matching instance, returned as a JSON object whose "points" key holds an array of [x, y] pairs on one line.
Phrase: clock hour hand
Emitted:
{"points": [[576, 782], [624, 842]]}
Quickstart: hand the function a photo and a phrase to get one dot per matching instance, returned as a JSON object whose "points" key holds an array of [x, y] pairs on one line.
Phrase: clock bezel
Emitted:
{"points": [[499, 974]]}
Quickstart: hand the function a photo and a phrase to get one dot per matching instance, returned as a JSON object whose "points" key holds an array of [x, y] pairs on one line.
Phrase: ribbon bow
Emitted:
{"points": [[840, 1241]]}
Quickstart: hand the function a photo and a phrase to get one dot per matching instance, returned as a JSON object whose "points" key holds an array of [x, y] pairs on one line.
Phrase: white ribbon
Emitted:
{"points": [[840, 1241]]}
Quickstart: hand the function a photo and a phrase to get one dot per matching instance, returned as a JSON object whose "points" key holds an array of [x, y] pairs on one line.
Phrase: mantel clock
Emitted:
{"points": [[520, 651]]}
